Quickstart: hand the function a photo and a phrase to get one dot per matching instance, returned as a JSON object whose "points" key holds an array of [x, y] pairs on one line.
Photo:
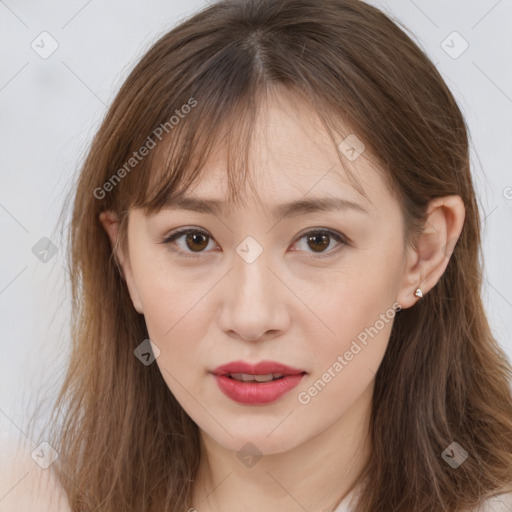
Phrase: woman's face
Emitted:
{"points": [[253, 284]]}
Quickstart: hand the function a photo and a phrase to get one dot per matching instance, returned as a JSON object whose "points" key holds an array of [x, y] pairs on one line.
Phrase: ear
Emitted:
{"points": [[427, 261], [110, 223]]}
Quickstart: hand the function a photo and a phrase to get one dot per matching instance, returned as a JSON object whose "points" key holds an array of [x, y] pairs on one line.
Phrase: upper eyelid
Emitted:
{"points": [[183, 231]]}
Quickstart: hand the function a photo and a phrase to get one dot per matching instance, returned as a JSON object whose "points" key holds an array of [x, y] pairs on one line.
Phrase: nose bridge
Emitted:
{"points": [[251, 274], [250, 297]]}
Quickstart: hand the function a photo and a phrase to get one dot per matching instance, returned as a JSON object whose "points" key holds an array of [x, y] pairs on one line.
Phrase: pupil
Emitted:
{"points": [[324, 240], [194, 237]]}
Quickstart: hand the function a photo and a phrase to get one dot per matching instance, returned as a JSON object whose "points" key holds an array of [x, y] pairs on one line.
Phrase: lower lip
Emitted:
{"points": [[257, 392]]}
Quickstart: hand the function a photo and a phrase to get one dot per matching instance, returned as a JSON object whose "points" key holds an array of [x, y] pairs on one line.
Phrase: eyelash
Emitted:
{"points": [[343, 240]]}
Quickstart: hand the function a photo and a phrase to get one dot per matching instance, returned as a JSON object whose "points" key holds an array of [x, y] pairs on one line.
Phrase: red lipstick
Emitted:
{"points": [[259, 383]]}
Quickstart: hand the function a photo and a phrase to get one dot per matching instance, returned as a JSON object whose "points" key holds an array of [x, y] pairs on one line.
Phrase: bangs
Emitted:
{"points": [[180, 159], [220, 122]]}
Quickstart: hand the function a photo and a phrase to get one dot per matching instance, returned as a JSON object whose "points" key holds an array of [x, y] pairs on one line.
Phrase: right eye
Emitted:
{"points": [[193, 239]]}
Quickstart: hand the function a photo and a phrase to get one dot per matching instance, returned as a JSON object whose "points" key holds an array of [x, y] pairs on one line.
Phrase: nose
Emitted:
{"points": [[254, 301]]}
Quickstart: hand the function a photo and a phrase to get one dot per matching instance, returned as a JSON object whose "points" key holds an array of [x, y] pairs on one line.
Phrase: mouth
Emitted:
{"points": [[263, 371], [259, 383], [247, 377]]}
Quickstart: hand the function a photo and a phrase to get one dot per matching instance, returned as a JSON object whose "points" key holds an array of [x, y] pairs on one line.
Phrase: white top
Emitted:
{"points": [[344, 505], [502, 503]]}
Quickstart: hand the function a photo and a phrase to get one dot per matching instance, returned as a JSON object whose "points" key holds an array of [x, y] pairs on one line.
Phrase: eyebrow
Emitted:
{"points": [[291, 209]]}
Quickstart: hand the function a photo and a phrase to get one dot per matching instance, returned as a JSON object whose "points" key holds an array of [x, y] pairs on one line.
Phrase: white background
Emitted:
{"points": [[50, 109]]}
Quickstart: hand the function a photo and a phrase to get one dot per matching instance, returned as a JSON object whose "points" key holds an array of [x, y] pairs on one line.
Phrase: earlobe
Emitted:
{"points": [[427, 262], [110, 223]]}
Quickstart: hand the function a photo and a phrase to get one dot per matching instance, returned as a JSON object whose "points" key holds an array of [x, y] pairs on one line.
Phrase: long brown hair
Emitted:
{"points": [[125, 443]]}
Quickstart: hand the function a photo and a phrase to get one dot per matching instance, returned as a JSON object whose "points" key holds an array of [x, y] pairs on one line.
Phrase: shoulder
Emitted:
{"points": [[26, 486], [500, 503]]}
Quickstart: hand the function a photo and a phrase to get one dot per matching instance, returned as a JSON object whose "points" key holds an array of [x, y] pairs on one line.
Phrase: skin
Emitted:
{"points": [[286, 306]]}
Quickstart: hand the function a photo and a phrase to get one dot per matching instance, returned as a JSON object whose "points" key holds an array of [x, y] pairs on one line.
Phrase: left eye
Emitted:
{"points": [[322, 239], [197, 240]]}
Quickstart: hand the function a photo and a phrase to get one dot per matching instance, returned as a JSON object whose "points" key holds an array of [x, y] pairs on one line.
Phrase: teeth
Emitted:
{"points": [[245, 377], [263, 378]]}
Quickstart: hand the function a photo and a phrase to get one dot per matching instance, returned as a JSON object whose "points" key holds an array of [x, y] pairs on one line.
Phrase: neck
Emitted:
{"points": [[315, 475]]}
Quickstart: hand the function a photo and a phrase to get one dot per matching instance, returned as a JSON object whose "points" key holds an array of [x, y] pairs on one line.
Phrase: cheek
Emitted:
{"points": [[177, 315], [357, 308], [166, 293], [172, 319], [344, 362]]}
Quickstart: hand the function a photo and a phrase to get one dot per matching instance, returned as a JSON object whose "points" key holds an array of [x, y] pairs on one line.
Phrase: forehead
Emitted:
{"points": [[292, 155]]}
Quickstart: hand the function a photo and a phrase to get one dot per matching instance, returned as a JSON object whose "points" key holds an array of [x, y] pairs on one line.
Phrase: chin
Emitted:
{"points": [[261, 439]]}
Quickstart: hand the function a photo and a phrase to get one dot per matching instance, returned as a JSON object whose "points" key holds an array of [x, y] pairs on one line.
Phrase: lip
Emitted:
{"points": [[261, 368], [253, 393]]}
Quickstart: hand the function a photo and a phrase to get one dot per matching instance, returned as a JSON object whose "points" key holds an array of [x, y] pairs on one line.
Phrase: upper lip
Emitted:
{"points": [[261, 368]]}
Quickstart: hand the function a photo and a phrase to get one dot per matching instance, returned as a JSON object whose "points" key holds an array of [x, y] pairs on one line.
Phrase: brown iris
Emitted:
{"points": [[320, 238], [200, 239]]}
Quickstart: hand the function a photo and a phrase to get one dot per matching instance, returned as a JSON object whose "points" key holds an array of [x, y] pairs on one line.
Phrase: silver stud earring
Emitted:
{"points": [[418, 293]]}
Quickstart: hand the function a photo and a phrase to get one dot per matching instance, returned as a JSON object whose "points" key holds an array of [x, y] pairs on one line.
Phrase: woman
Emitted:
{"points": [[275, 259]]}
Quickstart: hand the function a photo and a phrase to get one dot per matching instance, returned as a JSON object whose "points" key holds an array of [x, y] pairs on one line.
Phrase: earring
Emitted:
{"points": [[418, 293]]}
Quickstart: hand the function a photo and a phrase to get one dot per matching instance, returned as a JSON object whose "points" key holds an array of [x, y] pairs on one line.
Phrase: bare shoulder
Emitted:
{"points": [[500, 503], [27, 482]]}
